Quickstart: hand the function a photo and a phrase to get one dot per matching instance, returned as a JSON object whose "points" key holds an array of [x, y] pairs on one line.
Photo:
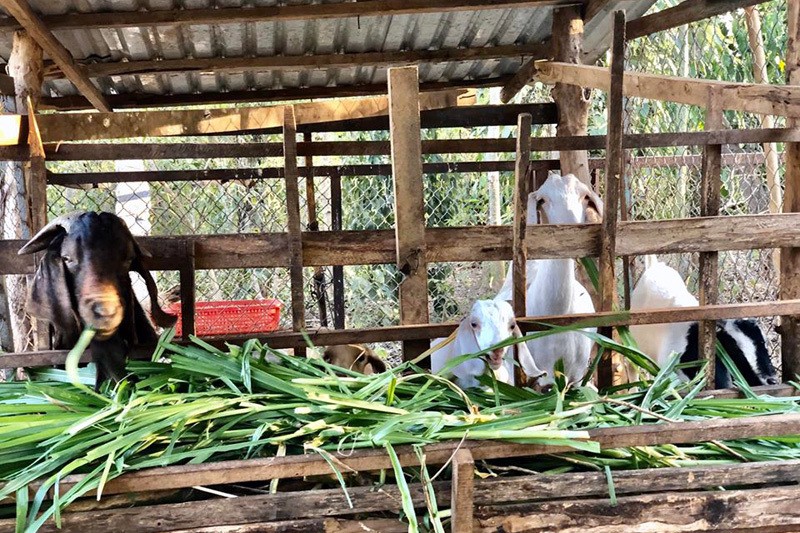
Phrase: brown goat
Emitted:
{"points": [[354, 357], [83, 281]]}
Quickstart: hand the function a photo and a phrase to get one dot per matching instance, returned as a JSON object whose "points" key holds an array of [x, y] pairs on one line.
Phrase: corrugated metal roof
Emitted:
{"points": [[465, 29]]}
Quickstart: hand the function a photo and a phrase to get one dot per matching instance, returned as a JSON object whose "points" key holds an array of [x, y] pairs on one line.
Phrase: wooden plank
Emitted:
{"points": [[615, 168], [30, 21], [312, 61], [369, 8], [263, 469], [338, 270], [686, 12], [710, 186], [145, 100], [763, 510], [81, 152], [462, 491], [188, 290], [291, 176], [783, 100], [480, 243], [790, 257], [288, 339], [409, 203], [93, 126], [522, 188]]}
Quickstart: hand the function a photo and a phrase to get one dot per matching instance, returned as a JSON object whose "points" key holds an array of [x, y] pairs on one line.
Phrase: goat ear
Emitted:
{"points": [[533, 214], [160, 317], [54, 229], [525, 357], [50, 299], [376, 364], [594, 207]]}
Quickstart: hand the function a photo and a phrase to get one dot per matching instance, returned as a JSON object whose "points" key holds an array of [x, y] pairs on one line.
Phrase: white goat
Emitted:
{"points": [[488, 323], [553, 289]]}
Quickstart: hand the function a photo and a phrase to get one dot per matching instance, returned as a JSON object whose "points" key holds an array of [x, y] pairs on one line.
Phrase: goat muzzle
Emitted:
{"points": [[104, 313], [496, 358]]}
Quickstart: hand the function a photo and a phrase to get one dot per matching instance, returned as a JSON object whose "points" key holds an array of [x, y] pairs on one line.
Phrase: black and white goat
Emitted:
{"points": [[660, 286], [83, 280]]}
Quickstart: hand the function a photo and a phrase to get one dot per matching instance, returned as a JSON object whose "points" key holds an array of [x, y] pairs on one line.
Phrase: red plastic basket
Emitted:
{"points": [[234, 317]]}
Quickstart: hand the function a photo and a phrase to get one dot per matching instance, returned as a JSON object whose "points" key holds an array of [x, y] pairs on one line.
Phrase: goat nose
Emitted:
{"points": [[102, 308], [772, 381]]}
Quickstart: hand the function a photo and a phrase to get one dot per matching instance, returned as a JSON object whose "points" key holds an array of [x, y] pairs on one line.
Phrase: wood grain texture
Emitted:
{"points": [[409, 203], [710, 187], [790, 257], [93, 126], [30, 21], [522, 188], [783, 100], [462, 492], [295, 233]]}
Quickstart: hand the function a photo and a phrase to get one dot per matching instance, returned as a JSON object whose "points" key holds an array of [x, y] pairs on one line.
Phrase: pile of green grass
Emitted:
{"points": [[207, 404]]}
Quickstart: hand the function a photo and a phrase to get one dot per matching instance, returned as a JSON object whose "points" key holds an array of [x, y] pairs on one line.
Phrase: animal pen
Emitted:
{"points": [[316, 225]]}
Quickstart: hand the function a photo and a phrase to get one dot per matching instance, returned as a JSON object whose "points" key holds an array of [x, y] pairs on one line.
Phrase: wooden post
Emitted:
{"points": [[313, 225], [462, 492], [790, 257], [291, 176], [409, 207], [188, 290], [522, 188], [572, 100], [338, 270], [25, 208], [711, 182], [615, 168]]}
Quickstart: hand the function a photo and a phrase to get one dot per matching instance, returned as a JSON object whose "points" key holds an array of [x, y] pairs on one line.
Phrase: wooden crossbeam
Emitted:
{"points": [[684, 13], [306, 62], [782, 100], [93, 126], [22, 12], [140, 100], [369, 8]]}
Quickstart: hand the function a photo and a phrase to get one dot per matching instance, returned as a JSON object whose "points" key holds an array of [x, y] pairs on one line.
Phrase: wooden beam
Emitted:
{"points": [[686, 12], [295, 229], [28, 19], [369, 8], [783, 100], [92, 126], [308, 62], [572, 100], [462, 492], [263, 469], [288, 339], [710, 186], [141, 100], [519, 261], [790, 257], [615, 168], [110, 152], [409, 202]]}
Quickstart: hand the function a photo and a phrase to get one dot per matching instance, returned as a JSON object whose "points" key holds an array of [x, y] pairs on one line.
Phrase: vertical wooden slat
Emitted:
{"points": [[710, 184], [790, 257], [35, 174], [313, 225], [522, 187], [338, 270], [614, 170], [409, 207], [462, 492], [291, 175], [188, 289]]}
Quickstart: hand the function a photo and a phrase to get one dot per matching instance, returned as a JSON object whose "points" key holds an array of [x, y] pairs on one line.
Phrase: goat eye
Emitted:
{"points": [[540, 202], [474, 325]]}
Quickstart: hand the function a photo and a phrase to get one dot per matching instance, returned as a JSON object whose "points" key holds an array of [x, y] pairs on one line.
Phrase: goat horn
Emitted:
{"points": [[41, 240]]}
